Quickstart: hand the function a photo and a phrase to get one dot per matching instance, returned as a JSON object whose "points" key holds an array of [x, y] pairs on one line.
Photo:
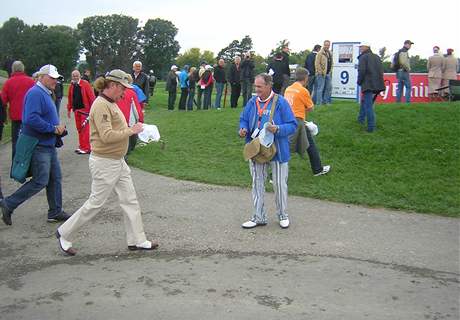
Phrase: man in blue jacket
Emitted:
{"points": [[255, 114], [40, 120]]}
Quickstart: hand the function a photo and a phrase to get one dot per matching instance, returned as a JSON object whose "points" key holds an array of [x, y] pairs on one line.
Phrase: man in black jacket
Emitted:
{"points": [[219, 76], [235, 81], [370, 78], [247, 77], [285, 51], [141, 79], [310, 66], [277, 69]]}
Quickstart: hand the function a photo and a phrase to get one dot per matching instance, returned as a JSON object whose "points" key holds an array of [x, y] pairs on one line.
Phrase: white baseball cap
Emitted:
{"points": [[365, 44], [174, 67], [48, 70]]}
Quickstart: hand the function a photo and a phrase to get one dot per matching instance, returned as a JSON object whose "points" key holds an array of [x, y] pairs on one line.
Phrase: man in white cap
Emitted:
{"points": [[40, 121], [171, 87]]}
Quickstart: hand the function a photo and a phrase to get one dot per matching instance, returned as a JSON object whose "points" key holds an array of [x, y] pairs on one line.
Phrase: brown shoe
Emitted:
{"points": [[71, 251]]}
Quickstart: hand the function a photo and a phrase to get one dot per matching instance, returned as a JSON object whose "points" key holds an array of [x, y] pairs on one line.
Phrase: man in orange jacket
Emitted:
{"points": [[80, 99]]}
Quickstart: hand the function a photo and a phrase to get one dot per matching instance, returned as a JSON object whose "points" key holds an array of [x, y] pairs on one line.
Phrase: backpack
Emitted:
{"points": [[395, 66]]}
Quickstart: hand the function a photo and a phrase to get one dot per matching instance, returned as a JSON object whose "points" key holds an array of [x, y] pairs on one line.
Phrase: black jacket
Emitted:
{"points": [[279, 69], [142, 81], [234, 76], [247, 70], [171, 82], [310, 63], [370, 72], [219, 74]]}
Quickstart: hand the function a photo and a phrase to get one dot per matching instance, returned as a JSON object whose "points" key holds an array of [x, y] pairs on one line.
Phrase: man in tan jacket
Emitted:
{"points": [[449, 69], [109, 171], [323, 69], [434, 67], [403, 72]]}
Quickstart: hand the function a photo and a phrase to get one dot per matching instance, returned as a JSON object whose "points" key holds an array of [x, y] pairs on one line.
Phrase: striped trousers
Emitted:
{"points": [[259, 173]]}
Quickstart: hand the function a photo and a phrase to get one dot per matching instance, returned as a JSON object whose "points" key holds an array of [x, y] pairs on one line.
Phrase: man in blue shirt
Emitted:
{"points": [[254, 117], [40, 120]]}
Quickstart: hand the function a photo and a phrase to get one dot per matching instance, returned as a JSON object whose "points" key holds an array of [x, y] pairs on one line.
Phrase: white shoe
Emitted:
{"points": [[284, 223], [326, 169], [251, 224]]}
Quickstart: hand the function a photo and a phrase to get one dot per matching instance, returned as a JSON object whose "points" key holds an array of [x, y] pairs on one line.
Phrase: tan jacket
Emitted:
{"points": [[109, 131], [404, 60], [435, 65], [321, 62], [449, 71]]}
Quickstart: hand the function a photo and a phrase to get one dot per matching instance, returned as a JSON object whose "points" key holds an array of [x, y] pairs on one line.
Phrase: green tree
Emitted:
{"points": [[235, 48], [109, 41], [11, 41], [194, 56], [159, 47], [298, 57], [278, 48], [417, 64]]}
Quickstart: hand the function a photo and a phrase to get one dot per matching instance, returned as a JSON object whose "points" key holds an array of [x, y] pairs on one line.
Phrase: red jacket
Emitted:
{"points": [[87, 94], [125, 104], [14, 91]]}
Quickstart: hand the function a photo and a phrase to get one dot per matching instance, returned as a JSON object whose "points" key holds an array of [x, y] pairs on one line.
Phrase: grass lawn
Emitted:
{"points": [[412, 161]]}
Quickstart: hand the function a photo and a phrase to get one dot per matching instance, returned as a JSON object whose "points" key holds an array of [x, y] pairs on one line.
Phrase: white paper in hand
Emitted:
{"points": [[149, 134], [266, 137], [271, 72]]}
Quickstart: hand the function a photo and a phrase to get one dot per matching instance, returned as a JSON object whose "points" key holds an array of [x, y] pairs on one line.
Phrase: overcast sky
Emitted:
{"points": [[209, 25]]}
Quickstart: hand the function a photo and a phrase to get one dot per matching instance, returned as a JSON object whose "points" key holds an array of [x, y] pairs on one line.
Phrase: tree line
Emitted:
{"points": [[115, 41]]}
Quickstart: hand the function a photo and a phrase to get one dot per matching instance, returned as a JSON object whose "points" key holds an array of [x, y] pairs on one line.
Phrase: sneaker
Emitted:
{"points": [[63, 216], [64, 245], [80, 151], [284, 223], [251, 224], [325, 170], [146, 245], [6, 214]]}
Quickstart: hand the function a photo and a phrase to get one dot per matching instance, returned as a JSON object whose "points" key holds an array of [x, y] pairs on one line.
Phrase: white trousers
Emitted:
{"points": [[259, 172], [109, 175]]}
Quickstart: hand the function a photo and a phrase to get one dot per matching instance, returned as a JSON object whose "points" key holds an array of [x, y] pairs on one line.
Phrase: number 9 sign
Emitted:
{"points": [[344, 77]]}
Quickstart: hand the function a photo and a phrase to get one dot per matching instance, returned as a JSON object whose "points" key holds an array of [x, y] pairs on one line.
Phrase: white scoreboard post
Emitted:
{"points": [[345, 70]]}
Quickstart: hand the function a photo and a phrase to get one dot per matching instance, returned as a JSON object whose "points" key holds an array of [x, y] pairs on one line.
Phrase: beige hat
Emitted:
{"points": [[48, 70], [119, 76]]}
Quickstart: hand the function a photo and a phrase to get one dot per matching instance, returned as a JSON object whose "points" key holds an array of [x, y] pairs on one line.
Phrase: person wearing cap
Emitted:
{"points": [[370, 80], [109, 171], [141, 79], [206, 84], [234, 78], [434, 67], [171, 87], [285, 51], [449, 68], [13, 93], [80, 97], [40, 122], [302, 141], [253, 118], [403, 72]]}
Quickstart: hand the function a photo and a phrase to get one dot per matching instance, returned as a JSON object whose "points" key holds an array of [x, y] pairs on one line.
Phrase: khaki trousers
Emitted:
{"points": [[109, 175]]}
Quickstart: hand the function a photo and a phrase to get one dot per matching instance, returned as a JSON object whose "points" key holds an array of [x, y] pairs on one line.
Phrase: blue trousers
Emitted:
{"points": [[367, 111]]}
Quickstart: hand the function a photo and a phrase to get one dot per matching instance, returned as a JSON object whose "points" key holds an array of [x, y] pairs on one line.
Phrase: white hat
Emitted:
{"points": [[207, 67], [48, 70], [365, 44], [174, 67]]}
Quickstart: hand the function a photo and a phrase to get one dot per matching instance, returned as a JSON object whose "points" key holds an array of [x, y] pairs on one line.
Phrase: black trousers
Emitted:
{"points": [[313, 154], [183, 98], [171, 99], [236, 92]]}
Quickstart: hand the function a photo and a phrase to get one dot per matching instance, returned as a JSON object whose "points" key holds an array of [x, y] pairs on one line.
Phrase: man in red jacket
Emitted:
{"points": [[13, 92], [80, 99]]}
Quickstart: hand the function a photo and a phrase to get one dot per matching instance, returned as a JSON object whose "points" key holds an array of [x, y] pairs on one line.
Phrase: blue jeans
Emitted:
{"points": [[46, 172], [207, 92], [323, 89], [219, 90], [311, 87], [367, 111], [403, 81], [191, 96]]}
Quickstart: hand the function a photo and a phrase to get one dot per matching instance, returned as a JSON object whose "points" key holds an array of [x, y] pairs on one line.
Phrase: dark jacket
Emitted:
{"points": [[370, 72], [171, 82], [310, 62], [247, 70], [59, 90], [286, 69], [219, 74], [279, 68], [234, 76], [142, 81]]}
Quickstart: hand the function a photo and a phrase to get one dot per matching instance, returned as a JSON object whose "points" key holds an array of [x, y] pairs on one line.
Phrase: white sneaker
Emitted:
{"points": [[249, 224], [326, 169], [284, 223]]}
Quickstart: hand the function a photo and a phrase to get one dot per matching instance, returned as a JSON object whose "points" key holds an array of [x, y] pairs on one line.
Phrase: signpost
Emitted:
{"points": [[344, 70]]}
